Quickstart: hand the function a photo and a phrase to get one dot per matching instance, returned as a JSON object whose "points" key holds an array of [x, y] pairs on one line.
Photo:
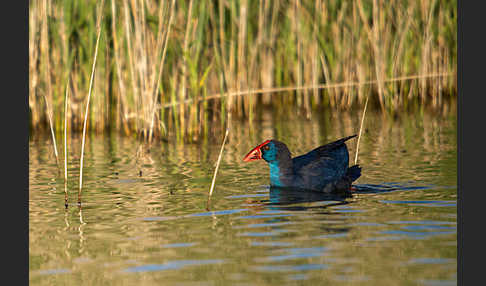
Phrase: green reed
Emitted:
{"points": [[166, 68]]}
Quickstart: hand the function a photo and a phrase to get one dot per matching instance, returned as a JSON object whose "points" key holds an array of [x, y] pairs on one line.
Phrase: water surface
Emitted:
{"points": [[399, 228]]}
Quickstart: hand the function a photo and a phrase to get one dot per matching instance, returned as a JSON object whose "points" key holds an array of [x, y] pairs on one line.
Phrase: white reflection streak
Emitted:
{"points": [[215, 221], [66, 229], [80, 230]]}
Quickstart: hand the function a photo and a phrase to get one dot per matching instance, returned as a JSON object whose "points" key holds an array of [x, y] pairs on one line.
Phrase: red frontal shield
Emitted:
{"points": [[255, 153]]}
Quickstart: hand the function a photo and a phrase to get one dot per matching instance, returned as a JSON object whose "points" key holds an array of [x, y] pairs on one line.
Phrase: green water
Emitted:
{"points": [[154, 229]]}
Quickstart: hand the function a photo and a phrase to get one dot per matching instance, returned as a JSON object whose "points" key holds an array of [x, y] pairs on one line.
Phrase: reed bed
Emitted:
{"points": [[171, 68]]}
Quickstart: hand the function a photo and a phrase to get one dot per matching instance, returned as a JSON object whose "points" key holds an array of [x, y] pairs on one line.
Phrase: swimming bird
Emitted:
{"points": [[324, 169]]}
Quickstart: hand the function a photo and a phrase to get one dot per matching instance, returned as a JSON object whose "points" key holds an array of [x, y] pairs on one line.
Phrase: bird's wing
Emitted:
{"points": [[323, 165], [328, 151]]}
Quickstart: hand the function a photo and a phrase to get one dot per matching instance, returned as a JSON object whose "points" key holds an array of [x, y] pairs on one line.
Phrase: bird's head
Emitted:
{"points": [[270, 151]]}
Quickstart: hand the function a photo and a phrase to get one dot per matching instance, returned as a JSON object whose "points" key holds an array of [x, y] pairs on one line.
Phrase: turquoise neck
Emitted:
{"points": [[275, 174]]}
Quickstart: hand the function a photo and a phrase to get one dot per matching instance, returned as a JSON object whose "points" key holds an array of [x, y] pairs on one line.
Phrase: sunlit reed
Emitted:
{"points": [[360, 131], [100, 17], [216, 169], [65, 146]]}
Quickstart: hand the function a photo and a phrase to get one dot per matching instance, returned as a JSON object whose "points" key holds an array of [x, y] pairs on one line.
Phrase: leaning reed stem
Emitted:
{"points": [[100, 17], [360, 129], [49, 113], [217, 167]]}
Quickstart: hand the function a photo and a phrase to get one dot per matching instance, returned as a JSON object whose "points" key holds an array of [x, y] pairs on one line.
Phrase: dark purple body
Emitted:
{"points": [[324, 169]]}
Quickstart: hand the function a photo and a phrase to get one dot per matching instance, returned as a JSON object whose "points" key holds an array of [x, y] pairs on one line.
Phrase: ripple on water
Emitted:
{"points": [[333, 235], [259, 234], [215, 213], [419, 229], [299, 276], [429, 282], [416, 234], [294, 253], [430, 261], [286, 268], [270, 243], [177, 264], [424, 203], [177, 245], [257, 216], [424, 222], [247, 196], [52, 271], [203, 214], [270, 224]]}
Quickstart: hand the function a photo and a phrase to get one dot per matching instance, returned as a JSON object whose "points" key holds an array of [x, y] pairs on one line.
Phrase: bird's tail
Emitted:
{"points": [[354, 172]]}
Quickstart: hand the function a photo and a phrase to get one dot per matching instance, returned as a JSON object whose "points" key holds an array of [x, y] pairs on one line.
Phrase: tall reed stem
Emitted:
{"points": [[45, 45], [100, 17], [65, 145]]}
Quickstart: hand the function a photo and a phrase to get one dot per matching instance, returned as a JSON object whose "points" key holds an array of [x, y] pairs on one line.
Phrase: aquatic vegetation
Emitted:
{"points": [[174, 68]]}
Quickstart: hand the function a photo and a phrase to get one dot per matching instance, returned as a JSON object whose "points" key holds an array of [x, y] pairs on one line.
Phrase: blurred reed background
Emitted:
{"points": [[177, 68]]}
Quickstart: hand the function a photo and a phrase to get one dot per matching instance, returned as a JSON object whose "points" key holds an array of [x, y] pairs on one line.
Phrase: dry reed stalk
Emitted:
{"points": [[99, 22], [360, 130], [267, 64], [65, 145], [33, 56], [378, 51], [241, 76], [193, 84], [296, 27], [398, 49], [426, 49], [224, 77], [64, 45], [161, 68], [232, 67], [131, 61], [327, 76], [122, 89], [182, 93], [135, 63], [315, 49], [45, 48], [146, 58], [217, 167], [251, 72]]}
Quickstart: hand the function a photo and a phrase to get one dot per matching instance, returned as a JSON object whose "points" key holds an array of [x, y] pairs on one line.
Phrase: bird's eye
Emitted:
{"points": [[266, 147]]}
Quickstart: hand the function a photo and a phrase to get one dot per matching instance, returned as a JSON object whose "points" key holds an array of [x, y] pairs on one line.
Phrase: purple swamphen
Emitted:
{"points": [[323, 169]]}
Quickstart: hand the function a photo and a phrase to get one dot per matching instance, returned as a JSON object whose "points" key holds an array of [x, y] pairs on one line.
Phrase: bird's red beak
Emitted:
{"points": [[255, 153]]}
